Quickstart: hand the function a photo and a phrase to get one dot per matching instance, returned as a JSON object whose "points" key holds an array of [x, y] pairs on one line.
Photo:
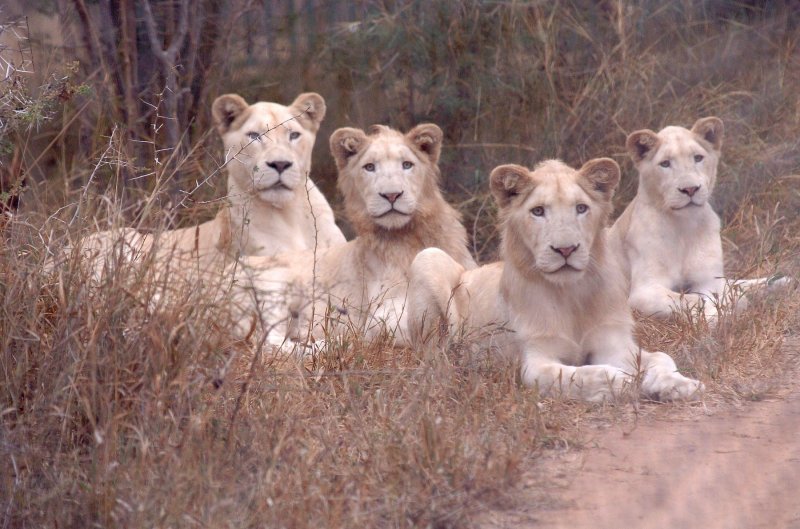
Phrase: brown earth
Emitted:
{"points": [[737, 468]]}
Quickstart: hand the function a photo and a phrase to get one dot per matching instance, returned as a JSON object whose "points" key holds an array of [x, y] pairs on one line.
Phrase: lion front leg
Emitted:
{"points": [[661, 302], [592, 383], [107, 249], [662, 380], [774, 283], [387, 316], [259, 302], [613, 345], [431, 308]]}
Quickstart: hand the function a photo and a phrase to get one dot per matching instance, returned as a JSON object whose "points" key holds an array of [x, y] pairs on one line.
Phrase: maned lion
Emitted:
{"points": [[558, 300], [669, 236], [389, 182], [273, 206]]}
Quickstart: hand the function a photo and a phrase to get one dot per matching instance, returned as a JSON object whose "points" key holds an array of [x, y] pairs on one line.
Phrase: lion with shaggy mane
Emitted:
{"points": [[558, 300], [390, 185]]}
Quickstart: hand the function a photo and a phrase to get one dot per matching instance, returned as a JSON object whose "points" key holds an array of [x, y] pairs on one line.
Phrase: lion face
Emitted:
{"points": [[268, 145], [384, 175], [552, 216], [678, 167]]}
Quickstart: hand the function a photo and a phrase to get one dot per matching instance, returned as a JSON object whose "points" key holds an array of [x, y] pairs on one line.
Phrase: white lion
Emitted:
{"points": [[558, 300], [272, 205], [389, 182], [669, 236]]}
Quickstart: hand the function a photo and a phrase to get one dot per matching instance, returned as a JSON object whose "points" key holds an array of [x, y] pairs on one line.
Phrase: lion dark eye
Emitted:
{"points": [[408, 165], [664, 164], [254, 136], [370, 167], [698, 158], [581, 208], [538, 211], [294, 135]]}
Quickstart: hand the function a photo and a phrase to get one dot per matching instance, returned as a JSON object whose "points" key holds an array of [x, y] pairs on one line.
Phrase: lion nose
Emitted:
{"points": [[280, 166], [689, 190], [391, 197], [565, 251]]}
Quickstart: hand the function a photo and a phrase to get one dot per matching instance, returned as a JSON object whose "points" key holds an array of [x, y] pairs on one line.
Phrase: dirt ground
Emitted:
{"points": [[736, 467]]}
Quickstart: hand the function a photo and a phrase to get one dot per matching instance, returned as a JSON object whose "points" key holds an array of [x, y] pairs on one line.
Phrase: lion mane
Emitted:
{"points": [[390, 185]]}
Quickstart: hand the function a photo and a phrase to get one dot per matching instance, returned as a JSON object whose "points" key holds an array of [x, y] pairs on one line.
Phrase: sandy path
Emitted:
{"points": [[737, 469]]}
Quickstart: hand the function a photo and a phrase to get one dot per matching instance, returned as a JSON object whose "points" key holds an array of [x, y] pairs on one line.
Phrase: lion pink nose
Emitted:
{"points": [[280, 166], [689, 190], [392, 197], [565, 251]]}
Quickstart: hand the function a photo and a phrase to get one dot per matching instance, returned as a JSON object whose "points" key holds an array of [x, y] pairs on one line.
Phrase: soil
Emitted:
{"points": [[737, 468]]}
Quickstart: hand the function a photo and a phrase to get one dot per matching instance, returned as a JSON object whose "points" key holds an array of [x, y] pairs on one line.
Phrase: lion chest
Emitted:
{"points": [[370, 290], [558, 320], [559, 336], [697, 258], [385, 289], [678, 253], [271, 244], [275, 231]]}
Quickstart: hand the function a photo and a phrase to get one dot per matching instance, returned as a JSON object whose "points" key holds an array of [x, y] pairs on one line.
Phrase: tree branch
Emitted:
{"points": [[167, 56]]}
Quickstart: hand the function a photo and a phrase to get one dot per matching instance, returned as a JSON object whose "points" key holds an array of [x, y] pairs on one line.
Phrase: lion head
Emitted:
{"points": [[387, 178], [267, 145], [551, 217], [678, 167]]}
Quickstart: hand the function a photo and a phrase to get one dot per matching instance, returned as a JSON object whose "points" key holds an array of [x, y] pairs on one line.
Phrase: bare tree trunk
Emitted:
{"points": [[190, 62], [210, 38], [67, 30], [167, 58], [129, 57], [89, 34]]}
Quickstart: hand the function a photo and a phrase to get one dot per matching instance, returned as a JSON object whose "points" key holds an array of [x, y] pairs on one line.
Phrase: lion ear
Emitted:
{"points": [[711, 130], [310, 110], [603, 175], [345, 143], [225, 109], [427, 137], [509, 181], [641, 143]]}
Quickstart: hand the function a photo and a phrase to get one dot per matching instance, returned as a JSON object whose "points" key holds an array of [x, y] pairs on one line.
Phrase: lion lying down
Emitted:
{"points": [[272, 205], [558, 300], [669, 236], [389, 182]]}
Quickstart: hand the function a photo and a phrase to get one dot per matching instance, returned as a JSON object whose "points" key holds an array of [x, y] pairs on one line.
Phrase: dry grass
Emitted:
{"points": [[116, 413], [120, 415]]}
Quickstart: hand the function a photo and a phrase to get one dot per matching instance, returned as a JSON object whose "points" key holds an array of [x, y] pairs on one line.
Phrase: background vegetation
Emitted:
{"points": [[116, 415]]}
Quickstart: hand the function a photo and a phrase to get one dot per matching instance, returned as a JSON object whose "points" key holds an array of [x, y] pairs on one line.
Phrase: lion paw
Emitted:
{"points": [[601, 384], [676, 387]]}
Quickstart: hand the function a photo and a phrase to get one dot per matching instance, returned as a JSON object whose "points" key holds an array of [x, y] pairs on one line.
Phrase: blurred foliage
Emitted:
{"points": [[508, 82]]}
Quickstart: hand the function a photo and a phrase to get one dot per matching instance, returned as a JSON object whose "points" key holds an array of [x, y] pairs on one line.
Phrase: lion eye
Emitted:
{"points": [[698, 158], [664, 164], [254, 136], [370, 167], [581, 208], [294, 135], [407, 165], [538, 211]]}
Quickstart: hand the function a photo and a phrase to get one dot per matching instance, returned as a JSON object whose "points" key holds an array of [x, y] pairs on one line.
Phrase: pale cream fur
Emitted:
{"points": [[669, 236], [389, 182], [558, 300], [272, 205]]}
